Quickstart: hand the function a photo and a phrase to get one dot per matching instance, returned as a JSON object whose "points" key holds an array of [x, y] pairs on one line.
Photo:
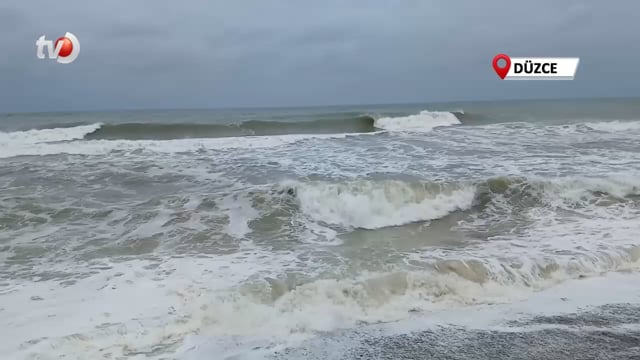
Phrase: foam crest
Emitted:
{"points": [[372, 205], [577, 189], [614, 126], [47, 135], [425, 121]]}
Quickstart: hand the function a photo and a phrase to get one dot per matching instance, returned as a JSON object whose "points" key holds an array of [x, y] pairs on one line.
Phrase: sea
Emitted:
{"points": [[477, 230]]}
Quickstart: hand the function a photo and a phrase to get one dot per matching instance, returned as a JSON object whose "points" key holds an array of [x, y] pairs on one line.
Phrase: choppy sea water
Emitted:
{"points": [[351, 232]]}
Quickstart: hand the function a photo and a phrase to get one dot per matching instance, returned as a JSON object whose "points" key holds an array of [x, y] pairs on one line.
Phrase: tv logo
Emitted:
{"points": [[65, 50]]}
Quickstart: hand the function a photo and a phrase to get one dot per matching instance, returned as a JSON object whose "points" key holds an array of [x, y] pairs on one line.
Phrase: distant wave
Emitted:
{"points": [[102, 138], [423, 122], [159, 131], [36, 136], [614, 126]]}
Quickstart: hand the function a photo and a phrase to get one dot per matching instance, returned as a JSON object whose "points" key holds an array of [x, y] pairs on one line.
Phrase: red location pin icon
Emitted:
{"points": [[502, 71]]}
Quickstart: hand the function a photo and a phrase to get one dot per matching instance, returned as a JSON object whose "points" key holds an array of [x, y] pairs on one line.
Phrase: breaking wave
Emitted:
{"points": [[159, 131], [425, 121], [99, 138], [614, 126], [36, 136], [287, 307], [371, 204]]}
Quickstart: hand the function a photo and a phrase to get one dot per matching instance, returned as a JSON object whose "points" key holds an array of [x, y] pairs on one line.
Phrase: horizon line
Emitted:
{"points": [[281, 107]]}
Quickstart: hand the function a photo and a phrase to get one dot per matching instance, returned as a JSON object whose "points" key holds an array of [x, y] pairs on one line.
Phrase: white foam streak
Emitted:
{"points": [[103, 147], [425, 121], [614, 126]]}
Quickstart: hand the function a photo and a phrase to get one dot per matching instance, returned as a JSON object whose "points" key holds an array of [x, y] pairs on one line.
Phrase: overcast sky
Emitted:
{"points": [[201, 54]]}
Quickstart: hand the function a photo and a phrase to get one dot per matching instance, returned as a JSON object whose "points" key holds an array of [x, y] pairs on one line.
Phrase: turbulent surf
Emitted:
{"points": [[257, 233]]}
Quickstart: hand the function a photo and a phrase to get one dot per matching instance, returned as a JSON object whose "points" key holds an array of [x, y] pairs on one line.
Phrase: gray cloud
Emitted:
{"points": [[166, 54], [10, 19], [135, 32]]}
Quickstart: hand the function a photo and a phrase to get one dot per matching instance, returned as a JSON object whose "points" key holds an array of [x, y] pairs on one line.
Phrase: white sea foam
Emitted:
{"points": [[614, 126], [583, 188], [371, 205], [102, 147], [240, 212], [375, 204], [575, 296], [123, 308], [46, 135], [425, 121], [133, 309]]}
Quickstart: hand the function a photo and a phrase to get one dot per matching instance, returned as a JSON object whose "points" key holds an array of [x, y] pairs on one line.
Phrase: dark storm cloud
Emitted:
{"points": [[168, 54]]}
